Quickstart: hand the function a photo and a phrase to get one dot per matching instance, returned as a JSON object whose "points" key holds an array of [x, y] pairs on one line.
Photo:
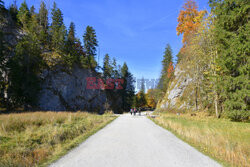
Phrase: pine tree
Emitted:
{"points": [[79, 51], [43, 23], [128, 90], [13, 10], [115, 72], [2, 11], [232, 34], [1, 4], [71, 33], [33, 24], [43, 16], [71, 40], [24, 15], [58, 31], [24, 70], [90, 44], [32, 10], [107, 68], [166, 65], [71, 48]]}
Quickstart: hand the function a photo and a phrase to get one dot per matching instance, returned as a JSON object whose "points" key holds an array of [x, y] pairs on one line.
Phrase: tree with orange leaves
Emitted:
{"points": [[170, 70], [189, 20]]}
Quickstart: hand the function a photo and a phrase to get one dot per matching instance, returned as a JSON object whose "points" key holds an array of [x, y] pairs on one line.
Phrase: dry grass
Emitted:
{"points": [[31, 139], [225, 141]]}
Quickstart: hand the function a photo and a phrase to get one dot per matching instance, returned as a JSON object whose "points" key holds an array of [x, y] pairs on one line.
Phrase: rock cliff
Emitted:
{"points": [[63, 90], [180, 92]]}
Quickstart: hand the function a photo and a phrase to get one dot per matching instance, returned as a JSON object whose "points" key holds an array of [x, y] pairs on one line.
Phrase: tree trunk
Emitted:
{"points": [[215, 92], [197, 87], [216, 105], [196, 98]]}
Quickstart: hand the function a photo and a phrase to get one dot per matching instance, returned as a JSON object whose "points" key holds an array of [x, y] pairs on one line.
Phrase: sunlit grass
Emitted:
{"points": [[225, 141], [31, 139]]}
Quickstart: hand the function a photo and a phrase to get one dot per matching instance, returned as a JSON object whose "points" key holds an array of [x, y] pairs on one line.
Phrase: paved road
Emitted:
{"points": [[134, 141]]}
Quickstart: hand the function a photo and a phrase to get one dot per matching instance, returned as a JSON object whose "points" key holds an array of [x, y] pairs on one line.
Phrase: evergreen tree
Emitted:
{"points": [[71, 39], [2, 11], [71, 47], [58, 31], [24, 15], [24, 70], [32, 10], [115, 72], [128, 90], [141, 95], [43, 23], [1, 4], [13, 10], [90, 44], [166, 63], [2, 8], [43, 16], [33, 25], [107, 68], [79, 51], [71, 34], [232, 34]]}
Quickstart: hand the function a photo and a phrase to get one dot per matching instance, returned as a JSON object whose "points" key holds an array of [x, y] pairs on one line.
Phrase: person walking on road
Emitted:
{"points": [[131, 111], [134, 111], [139, 110]]}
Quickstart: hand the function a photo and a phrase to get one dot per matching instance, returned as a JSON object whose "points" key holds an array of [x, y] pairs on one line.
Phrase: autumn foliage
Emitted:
{"points": [[150, 97], [189, 20], [170, 70]]}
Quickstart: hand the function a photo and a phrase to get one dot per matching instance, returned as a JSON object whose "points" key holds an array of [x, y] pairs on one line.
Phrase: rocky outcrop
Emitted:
{"points": [[67, 91], [61, 89], [178, 92]]}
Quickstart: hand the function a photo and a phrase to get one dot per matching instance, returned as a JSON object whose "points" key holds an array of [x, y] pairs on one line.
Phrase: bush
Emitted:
{"points": [[237, 115]]}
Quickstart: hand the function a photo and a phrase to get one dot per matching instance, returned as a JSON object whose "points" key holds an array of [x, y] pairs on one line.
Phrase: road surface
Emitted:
{"points": [[134, 141]]}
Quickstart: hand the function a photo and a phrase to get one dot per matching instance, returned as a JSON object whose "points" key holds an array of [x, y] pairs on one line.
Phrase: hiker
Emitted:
{"points": [[131, 111], [134, 111], [139, 111]]}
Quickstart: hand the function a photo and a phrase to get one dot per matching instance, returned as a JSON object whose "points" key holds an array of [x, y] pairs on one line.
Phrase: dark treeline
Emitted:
{"points": [[29, 44]]}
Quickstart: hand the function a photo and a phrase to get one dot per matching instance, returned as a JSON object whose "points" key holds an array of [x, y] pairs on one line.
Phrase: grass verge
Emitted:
{"points": [[223, 140], [39, 138]]}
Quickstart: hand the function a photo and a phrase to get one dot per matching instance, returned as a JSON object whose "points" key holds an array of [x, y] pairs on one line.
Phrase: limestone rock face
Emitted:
{"points": [[67, 91], [174, 97]]}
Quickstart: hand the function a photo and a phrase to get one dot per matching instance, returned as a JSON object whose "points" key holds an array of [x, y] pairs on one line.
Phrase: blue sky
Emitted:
{"points": [[132, 31]]}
